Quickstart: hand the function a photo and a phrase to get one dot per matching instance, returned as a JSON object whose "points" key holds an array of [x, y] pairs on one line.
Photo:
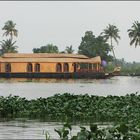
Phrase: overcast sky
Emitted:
{"points": [[63, 23]]}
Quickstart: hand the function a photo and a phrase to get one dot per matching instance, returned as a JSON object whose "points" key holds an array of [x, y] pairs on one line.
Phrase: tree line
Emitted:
{"points": [[90, 45]]}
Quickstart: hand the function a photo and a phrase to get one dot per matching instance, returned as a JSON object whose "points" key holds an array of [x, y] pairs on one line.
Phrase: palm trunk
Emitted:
{"points": [[113, 53], [11, 36]]}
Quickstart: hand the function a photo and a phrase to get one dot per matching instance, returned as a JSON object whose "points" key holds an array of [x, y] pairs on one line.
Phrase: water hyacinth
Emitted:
{"points": [[73, 108]]}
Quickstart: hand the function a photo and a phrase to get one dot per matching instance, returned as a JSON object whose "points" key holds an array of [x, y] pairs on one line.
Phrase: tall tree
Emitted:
{"points": [[92, 46], [69, 49], [134, 34], [111, 33], [49, 48], [10, 29], [7, 46]]}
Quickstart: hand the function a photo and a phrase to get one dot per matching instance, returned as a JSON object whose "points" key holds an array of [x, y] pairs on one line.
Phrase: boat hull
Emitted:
{"points": [[75, 75]]}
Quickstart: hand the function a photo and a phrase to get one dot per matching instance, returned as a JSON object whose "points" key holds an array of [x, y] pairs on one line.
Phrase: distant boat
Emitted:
{"points": [[117, 70]]}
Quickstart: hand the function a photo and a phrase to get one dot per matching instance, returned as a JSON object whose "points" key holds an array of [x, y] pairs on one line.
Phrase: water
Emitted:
{"points": [[32, 129], [35, 130], [45, 88], [115, 86]]}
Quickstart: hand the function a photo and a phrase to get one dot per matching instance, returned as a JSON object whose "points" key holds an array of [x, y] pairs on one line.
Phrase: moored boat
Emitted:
{"points": [[46, 65]]}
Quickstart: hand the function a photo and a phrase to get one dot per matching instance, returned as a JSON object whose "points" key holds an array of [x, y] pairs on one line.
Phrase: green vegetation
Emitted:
{"points": [[69, 49], [120, 113], [10, 29], [8, 45], [92, 46], [49, 48], [134, 34], [74, 108], [111, 32], [119, 132], [127, 68]]}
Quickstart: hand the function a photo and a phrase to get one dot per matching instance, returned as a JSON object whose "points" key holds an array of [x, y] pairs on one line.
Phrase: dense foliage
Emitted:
{"points": [[92, 46], [7, 46], [74, 108], [49, 48]]}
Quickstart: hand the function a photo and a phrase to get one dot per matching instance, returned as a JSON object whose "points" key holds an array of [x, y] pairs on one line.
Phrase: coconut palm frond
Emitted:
{"points": [[111, 33], [134, 33], [9, 29], [7, 46]]}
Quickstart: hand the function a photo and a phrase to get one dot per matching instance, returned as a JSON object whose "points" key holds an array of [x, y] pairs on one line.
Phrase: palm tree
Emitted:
{"points": [[134, 34], [9, 28], [69, 50], [7, 46], [111, 32]]}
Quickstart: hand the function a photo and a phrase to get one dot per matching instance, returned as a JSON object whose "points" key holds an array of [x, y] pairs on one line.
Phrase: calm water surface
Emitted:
{"points": [[45, 88], [32, 130]]}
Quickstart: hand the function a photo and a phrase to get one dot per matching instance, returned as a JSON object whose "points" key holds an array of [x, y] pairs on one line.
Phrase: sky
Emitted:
{"points": [[64, 23]]}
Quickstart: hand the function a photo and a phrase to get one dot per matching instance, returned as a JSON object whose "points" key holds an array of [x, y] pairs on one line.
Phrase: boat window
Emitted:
{"points": [[90, 66], [8, 67], [94, 66], [83, 66], [37, 67], [66, 67], [75, 67], [58, 67], [29, 67]]}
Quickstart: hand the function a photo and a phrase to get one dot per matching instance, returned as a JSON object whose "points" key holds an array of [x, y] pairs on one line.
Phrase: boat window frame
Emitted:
{"points": [[66, 67], [57, 67], [37, 67], [8, 67], [29, 69]]}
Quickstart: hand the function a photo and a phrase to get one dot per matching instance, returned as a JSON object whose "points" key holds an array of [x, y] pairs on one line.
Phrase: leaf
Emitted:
{"points": [[47, 135], [65, 133], [59, 132], [93, 127], [74, 138], [123, 128], [81, 136], [67, 125]]}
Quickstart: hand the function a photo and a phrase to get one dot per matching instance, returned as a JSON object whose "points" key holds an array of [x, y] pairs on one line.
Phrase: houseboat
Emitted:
{"points": [[49, 65]]}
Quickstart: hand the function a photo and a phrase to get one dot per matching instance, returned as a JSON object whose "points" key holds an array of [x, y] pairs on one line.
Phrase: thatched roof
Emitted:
{"points": [[42, 55], [49, 58]]}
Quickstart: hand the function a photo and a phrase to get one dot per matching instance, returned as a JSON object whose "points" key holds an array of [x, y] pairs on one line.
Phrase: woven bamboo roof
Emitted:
{"points": [[42, 55], [49, 60]]}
